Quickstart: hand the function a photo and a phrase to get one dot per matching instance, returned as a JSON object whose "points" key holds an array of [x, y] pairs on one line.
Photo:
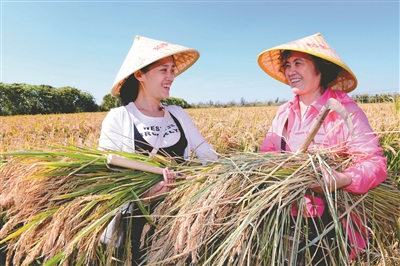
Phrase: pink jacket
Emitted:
{"points": [[369, 165]]}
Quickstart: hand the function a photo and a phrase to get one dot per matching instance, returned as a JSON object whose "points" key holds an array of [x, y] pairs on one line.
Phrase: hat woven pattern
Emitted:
{"points": [[145, 51], [315, 45]]}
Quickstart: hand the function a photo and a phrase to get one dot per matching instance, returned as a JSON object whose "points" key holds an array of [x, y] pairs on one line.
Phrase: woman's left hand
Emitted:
{"points": [[333, 181], [162, 187], [169, 177]]}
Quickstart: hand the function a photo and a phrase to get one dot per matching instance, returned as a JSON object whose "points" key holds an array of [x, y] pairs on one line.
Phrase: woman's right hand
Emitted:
{"points": [[333, 181]]}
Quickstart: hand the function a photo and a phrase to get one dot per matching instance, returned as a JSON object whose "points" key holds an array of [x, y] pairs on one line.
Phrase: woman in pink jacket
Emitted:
{"points": [[315, 74]]}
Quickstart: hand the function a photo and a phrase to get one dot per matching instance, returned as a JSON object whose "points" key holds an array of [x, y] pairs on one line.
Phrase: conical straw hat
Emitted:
{"points": [[145, 51], [314, 45]]}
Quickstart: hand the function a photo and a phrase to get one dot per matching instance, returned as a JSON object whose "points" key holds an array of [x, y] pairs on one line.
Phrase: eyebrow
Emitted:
{"points": [[166, 65], [299, 59]]}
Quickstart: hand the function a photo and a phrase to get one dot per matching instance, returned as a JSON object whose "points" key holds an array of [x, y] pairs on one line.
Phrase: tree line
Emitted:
{"points": [[359, 98], [25, 99], [377, 98]]}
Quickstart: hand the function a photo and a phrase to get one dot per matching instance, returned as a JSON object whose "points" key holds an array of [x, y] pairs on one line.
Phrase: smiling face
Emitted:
{"points": [[301, 74], [159, 77]]}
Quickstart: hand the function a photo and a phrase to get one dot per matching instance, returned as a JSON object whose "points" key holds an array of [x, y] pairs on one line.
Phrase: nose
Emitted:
{"points": [[170, 75], [290, 70]]}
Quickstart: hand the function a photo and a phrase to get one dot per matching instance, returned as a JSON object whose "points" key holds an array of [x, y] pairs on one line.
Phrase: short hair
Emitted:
{"points": [[329, 71]]}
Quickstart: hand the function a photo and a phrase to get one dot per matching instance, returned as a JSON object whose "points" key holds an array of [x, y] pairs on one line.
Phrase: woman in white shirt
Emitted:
{"points": [[142, 124]]}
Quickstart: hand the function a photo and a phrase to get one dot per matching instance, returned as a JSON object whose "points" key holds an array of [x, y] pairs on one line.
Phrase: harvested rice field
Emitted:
{"points": [[226, 129], [236, 215]]}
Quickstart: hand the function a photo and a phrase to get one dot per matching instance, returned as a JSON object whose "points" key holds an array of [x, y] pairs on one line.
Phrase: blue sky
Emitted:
{"points": [[83, 43]]}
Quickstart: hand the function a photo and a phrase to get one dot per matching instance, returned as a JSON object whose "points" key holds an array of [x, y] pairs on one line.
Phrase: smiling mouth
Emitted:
{"points": [[292, 81]]}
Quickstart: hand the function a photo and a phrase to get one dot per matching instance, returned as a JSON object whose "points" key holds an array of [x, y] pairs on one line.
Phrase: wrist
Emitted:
{"points": [[146, 197]]}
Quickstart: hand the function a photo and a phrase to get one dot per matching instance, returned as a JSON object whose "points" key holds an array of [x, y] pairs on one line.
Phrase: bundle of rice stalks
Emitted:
{"points": [[236, 212], [57, 202], [241, 214]]}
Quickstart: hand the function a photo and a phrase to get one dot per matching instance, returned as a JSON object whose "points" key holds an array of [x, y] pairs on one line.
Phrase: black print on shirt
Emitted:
{"points": [[152, 128], [155, 131], [171, 129]]}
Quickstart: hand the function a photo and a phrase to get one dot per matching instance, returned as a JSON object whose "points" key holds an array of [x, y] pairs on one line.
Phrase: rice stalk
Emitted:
{"points": [[236, 212], [57, 202], [258, 191]]}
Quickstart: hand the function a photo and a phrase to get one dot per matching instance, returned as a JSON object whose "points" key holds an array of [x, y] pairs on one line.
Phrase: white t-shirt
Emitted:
{"points": [[151, 127], [117, 131]]}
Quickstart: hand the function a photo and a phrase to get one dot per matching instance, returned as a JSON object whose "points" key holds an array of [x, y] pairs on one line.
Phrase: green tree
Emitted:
{"points": [[20, 98], [68, 98], [48, 100], [176, 101], [13, 99], [109, 102]]}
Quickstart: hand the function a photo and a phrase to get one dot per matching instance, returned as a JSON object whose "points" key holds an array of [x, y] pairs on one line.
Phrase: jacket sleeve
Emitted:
{"points": [[369, 165], [197, 143], [111, 135], [273, 138]]}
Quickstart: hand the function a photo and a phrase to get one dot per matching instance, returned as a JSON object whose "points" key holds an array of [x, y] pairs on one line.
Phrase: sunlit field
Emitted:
{"points": [[227, 129]]}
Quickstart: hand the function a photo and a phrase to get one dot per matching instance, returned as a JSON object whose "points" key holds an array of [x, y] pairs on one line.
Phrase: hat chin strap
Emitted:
{"points": [[161, 107]]}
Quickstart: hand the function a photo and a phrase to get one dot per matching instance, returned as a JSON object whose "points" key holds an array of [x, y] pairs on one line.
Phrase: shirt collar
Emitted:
{"points": [[316, 104], [319, 103]]}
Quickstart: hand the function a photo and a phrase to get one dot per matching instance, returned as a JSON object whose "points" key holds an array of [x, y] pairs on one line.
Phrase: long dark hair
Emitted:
{"points": [[130, 88], [329, 71]]}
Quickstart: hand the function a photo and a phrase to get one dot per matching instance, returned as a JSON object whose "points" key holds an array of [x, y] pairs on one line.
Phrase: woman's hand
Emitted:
{"points": [[333, 180], [162, 187]]}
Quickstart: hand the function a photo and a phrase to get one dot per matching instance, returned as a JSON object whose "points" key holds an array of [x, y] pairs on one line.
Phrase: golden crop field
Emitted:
{"points": [[227, 129]]}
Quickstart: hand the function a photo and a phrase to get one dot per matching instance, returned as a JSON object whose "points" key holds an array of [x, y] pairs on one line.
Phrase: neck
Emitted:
{"points": [[308, 99], [149, 107]]}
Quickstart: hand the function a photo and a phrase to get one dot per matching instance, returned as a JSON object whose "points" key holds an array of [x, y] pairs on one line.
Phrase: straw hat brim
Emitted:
{"points": [[145, 51], [315, 45]]}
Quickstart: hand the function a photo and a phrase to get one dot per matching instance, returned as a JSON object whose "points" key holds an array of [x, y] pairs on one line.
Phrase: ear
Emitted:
{"points": [[139, 75]]}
